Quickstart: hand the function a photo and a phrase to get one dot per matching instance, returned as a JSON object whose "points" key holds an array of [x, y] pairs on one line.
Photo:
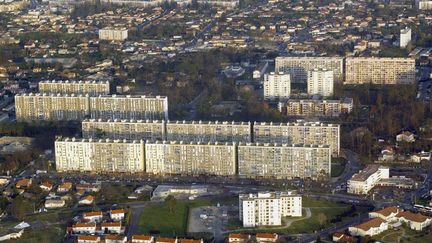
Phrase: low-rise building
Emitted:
{"points": [[112, 227], [415, 221], [142, 239], [64, 187], [266, 237], [93, 216], [388, 214], [115, 239], [371, 227], [166, 240], [84, 228], [88, 239], [54, 203], [87, 200], [366, 179], [238, 238], [117, 214]]}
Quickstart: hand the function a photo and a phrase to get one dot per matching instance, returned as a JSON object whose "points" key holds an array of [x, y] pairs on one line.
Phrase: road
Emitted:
{"points": [[148, 22], [352, 166]]}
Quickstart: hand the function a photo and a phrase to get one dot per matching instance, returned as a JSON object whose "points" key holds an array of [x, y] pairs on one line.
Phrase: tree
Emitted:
{"points": [[171, 202], [322, 219], [18, 208]]}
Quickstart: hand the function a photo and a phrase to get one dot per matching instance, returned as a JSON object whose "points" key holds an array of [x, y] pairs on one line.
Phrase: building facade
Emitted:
{"points": [[51, 107], [316, 108], [113, 34], [268, 208], [282, 161], [365, 70], [405, 37], [365, 180], [307, 133], [277, 86], [298, 67], [320, 82], [191, 158], [99, 155], [91, 88], [424, 5], [193, 131], [152, 130], [129, 107]]}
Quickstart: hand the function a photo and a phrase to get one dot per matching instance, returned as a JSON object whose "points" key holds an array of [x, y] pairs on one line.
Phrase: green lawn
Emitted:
{"points": [[52, 216], [312, 224], [50, 234], [157, 219]]}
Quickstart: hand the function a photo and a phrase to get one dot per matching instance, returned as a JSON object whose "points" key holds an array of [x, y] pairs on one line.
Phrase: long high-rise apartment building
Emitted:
{"points": [[277, 86], [316, 108], [308, 133], [99, 155], [320, 82], [283, 161], [152, 130], [51, 107], [298, 67], [364, 70], [268, 208], [191, 158], [192, 131], [129, 107], [75, 87], [64, 107]]}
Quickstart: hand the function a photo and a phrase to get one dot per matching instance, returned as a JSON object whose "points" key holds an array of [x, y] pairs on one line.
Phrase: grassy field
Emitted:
{"points": [[50, 234], [157, 219]]}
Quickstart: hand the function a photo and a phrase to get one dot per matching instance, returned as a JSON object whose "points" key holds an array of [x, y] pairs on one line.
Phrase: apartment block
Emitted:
{"points": [[129, 107], [424, 4], [364, 70], [193, 131], [283, 161], [97, 155], [113, 34], [277, 86], [268, 208], [51, 107], [405, 37], [320, 82], [152, 130], [298, 67], [365, 180], [191, 158], [316, 107], [91, 88], [307, 133]]}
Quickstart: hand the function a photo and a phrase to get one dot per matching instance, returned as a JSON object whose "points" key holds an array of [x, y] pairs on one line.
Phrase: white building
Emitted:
{"points": [[268, 208], [277, 86], [405, 37], [371, 227], [320, 82], [117, 214], [424, 5], [54, 203], [113, 34], [365, 180]]}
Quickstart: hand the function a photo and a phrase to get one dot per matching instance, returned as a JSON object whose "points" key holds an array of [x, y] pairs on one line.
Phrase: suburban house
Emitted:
{"points": [[93, 216], [238, 238], [23, 183], [64, 187], [166, 240], [112, 227], [54, 203], [117, 214], [191, 241], [405, 137], [371, 227], [86, 200], [266, 237], [142, 239], [115, 239], [342, 238], [46, 186], [88, 239], [84, 228]]}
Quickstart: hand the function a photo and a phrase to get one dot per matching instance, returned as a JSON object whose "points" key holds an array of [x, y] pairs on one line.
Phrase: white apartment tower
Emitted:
{"points": [[405, 37], [424, 4], [113, 34], [277, 86], [320, 82], [268, 208]]}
